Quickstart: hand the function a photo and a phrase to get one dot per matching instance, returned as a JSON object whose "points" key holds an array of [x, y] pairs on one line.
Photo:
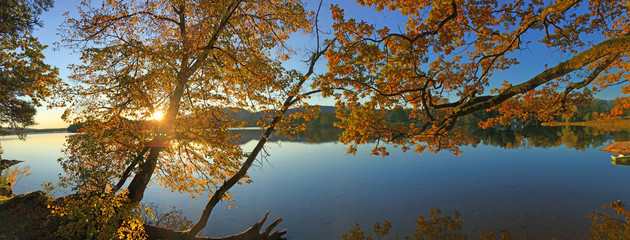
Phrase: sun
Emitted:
{"points": [[158, 115]]}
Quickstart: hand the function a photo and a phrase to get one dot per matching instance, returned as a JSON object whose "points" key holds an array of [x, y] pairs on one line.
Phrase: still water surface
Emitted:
{"points": [[524, 181]]}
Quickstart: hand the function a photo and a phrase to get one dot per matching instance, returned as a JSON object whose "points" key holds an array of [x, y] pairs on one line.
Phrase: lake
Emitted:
{"points": [[539, 183]]}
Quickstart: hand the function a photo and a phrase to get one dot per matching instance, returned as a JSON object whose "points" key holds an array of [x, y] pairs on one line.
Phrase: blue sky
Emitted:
{"points": [[51, 118], [532, 60]]}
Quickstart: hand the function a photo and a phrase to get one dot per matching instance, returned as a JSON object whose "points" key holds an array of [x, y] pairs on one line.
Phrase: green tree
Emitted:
{"points": [[25, 80], [399, 115]]}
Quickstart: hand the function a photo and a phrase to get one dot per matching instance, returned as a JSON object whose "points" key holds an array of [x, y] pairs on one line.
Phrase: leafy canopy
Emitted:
{"points": [[439, 64], [196, 61], [25, 80]]}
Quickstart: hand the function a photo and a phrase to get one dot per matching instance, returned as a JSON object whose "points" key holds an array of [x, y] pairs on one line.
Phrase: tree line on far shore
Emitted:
{"points": [[326, 116]]}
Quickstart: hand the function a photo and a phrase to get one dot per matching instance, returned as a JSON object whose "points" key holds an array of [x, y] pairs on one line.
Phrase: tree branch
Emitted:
{"points": [[606, 48]]}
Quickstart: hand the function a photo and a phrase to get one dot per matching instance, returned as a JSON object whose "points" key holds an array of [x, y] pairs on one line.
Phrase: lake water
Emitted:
{"points": [[538, 183]]}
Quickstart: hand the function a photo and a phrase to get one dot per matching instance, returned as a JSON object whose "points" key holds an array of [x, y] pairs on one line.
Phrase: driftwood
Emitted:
{"points": [[253, 233]]}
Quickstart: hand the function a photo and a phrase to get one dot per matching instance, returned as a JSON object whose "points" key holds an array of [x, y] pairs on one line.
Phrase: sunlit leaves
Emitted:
{"points": [[197, 62], [98, 216], [99, 153], [440, 65], [9, 177]]}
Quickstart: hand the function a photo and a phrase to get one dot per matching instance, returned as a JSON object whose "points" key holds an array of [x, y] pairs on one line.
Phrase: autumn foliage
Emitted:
{"points": [[200, 61], [440, 64]]}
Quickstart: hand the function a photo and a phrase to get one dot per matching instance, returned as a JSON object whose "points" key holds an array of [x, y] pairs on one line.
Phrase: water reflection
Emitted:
{"points": [[621, 161], [552, 178], [578, 138], [574, 137], [310, 135]]}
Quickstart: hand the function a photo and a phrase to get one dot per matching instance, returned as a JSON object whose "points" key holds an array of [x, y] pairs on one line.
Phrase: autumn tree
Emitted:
{"points": [[197, 61], [194, 61], [25, 80], [440, 62]]}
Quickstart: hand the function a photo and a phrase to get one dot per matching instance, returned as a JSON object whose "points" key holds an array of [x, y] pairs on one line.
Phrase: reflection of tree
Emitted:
{"points": [[621, 135], [606, 225], [576, 137], [513, 138], [569, 138], [579, 138], [582, 138], [310, 135], [433, 227]]}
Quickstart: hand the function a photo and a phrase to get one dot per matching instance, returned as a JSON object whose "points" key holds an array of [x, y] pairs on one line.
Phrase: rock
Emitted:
{"points": [[33, 199], [4, 164], [26, 216]]}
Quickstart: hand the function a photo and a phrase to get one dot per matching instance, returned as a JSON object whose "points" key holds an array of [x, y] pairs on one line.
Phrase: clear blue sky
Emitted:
{"points": [[532, 60], [47, 118]]}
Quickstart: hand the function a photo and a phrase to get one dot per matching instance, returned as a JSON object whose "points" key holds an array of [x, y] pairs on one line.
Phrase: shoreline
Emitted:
{"points": [[617, 124]]}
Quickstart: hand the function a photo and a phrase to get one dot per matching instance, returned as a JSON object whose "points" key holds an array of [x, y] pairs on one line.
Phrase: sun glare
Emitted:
{"points": [[158, 116]]}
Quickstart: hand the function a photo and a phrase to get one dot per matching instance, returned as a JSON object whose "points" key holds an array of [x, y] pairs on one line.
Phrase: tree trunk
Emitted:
{"points": [[129, 168], [145, 170], [143, 176], [218, 194]]}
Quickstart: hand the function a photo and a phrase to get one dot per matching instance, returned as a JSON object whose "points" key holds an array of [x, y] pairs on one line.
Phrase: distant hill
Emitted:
{"points": [[11, 131], [251, 118], [328, 109]]}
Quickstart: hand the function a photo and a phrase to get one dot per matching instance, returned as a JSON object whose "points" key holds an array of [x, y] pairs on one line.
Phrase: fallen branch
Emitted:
{"points": [[253, 233]]}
